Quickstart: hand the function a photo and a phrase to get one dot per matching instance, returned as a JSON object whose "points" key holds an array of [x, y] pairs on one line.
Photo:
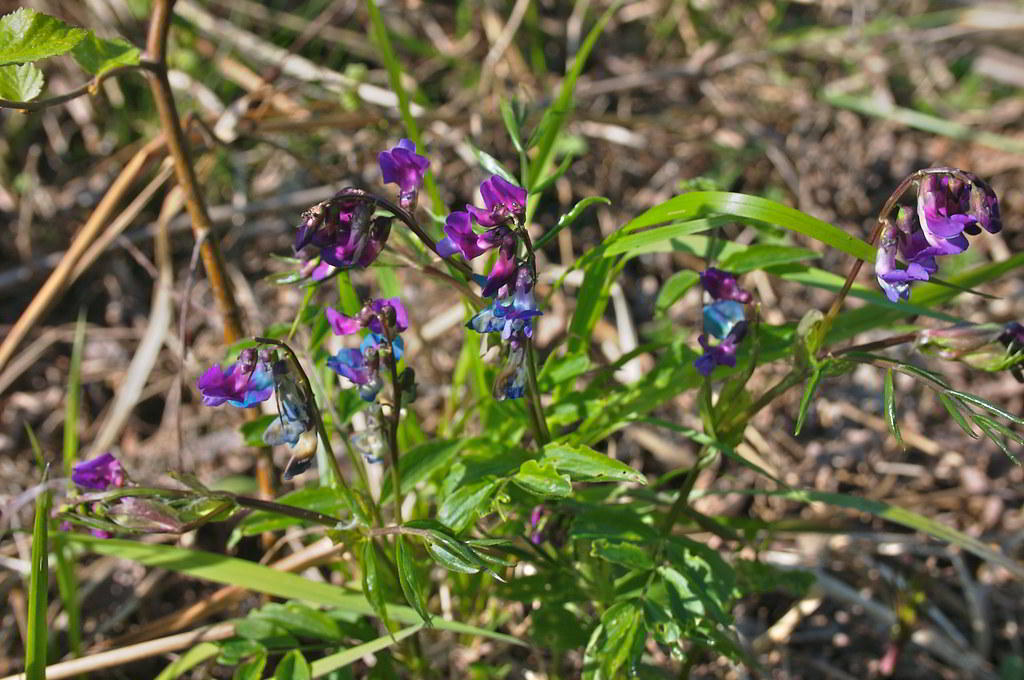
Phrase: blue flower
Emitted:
{"points": [[724, 322], [511, 316]]}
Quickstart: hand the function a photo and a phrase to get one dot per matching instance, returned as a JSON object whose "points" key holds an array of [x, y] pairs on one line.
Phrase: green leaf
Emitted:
{"points": [[568, 218], [999, 434], [37, 629], [629, 555], [759, 256], [251, 669], [259, 578], [621, 624], [492, 165], [27, 35], [321, 499], [373, 587], [202, 652], [889, 405], [452, 561], [674, 288], [561, 369], [333, 662], [953, 408], [420, 462], [302, 620], [232, 651], [987, 405], [742, 207], [805, 400], [512, 123], [584, 464], [891, 513], [635, 244], [293, 666], [252, 430], [462, 507], [409, 578], [542, 480], [20, 83], [97, 55]]}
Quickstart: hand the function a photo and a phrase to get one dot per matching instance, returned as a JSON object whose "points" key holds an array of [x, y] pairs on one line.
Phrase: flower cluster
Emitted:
{"points": [[949, 207], [344, 232], [98, 474], [724, 320], [511, 280], [384, 318]]}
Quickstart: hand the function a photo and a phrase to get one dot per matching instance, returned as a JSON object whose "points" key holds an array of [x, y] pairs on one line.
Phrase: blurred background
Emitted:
{"points": [[822, 105]]}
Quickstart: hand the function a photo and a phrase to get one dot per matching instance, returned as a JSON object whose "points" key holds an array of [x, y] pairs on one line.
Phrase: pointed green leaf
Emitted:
{"points": [[512, 123], [889, 405], [541, 479], [805, 400], [629, 555], [584, 464], [409, 578], [373, 588], [27, 35], [37, 629], [635, 244], [251, 669], [20, 83], [293, 666], [462, 507], [568, 218], [493, 165], [674, 288], [343, 658], [952, 407], [97, 55], [759, 256], [202, 652]]}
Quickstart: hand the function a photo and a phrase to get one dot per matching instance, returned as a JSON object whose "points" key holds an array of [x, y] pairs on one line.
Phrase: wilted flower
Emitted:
{"points": [[344, 231], [724, 321], [244, 384], [294, 416], [511, 381], [99, 473], [722, 285], [1013, 337], [404, 167]]}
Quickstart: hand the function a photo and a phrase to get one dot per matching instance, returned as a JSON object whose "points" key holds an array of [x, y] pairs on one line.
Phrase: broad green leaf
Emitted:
{"points": [[759, 256], [584, 464], [703, 204], [21, 82], [419, 463], [409, 578], [333, 662], [293, 666], [459, 509], [202, 652], [561, 369], [889, 406], [568, 218], [674, 288], [621, 624], [27, 35], [37, 629], [97, 55], [301, 620], [541, 479], [452, 561], [251, 669], [629, 555], [259, 578]]}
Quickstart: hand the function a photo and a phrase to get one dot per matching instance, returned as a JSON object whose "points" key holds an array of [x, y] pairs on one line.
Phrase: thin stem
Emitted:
{"points": [[794, 377], [533, 396], [893, 341], [86, 88], [393, 420]]}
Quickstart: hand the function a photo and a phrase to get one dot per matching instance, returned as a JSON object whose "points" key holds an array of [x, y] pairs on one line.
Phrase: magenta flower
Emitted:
{"points": [[503, 199], [460, 237], [99, 473], [244, 384], [722, 285], [344, 231], [369, 317], [404, 167]]}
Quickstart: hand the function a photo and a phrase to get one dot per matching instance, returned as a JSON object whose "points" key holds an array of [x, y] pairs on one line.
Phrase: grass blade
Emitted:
{"points": [[889, 404], [38, 586], [341, 659]]}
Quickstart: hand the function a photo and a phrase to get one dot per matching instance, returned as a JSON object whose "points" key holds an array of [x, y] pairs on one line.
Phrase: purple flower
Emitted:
{"points": [[404, 167], [460, 237], [244, 384], [722, 285], [511, 315], [362, 366], [99, 473], [904, 240], [345, 232], [942, 208], [503, 199], [369, 317], [1013, 337], [984, 206]]}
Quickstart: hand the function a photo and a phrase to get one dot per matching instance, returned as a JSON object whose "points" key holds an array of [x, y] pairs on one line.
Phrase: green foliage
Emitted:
{"points": [[97, 55], [27, 35], [36, 627], [20, 82]]}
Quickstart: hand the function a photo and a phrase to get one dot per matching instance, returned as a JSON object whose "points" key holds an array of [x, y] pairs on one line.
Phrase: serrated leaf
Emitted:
{"points": [[27, 35], [889, 406], [568, 218], [583, 463], [760, 255], [97, 55], [542, 479], [629, 555], [293, 666], [20, 83], [373, 587], [409, 578], [674, 288]]}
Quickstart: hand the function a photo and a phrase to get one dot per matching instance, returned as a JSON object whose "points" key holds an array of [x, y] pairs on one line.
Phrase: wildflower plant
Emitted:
{"points": [[517, 496]]}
